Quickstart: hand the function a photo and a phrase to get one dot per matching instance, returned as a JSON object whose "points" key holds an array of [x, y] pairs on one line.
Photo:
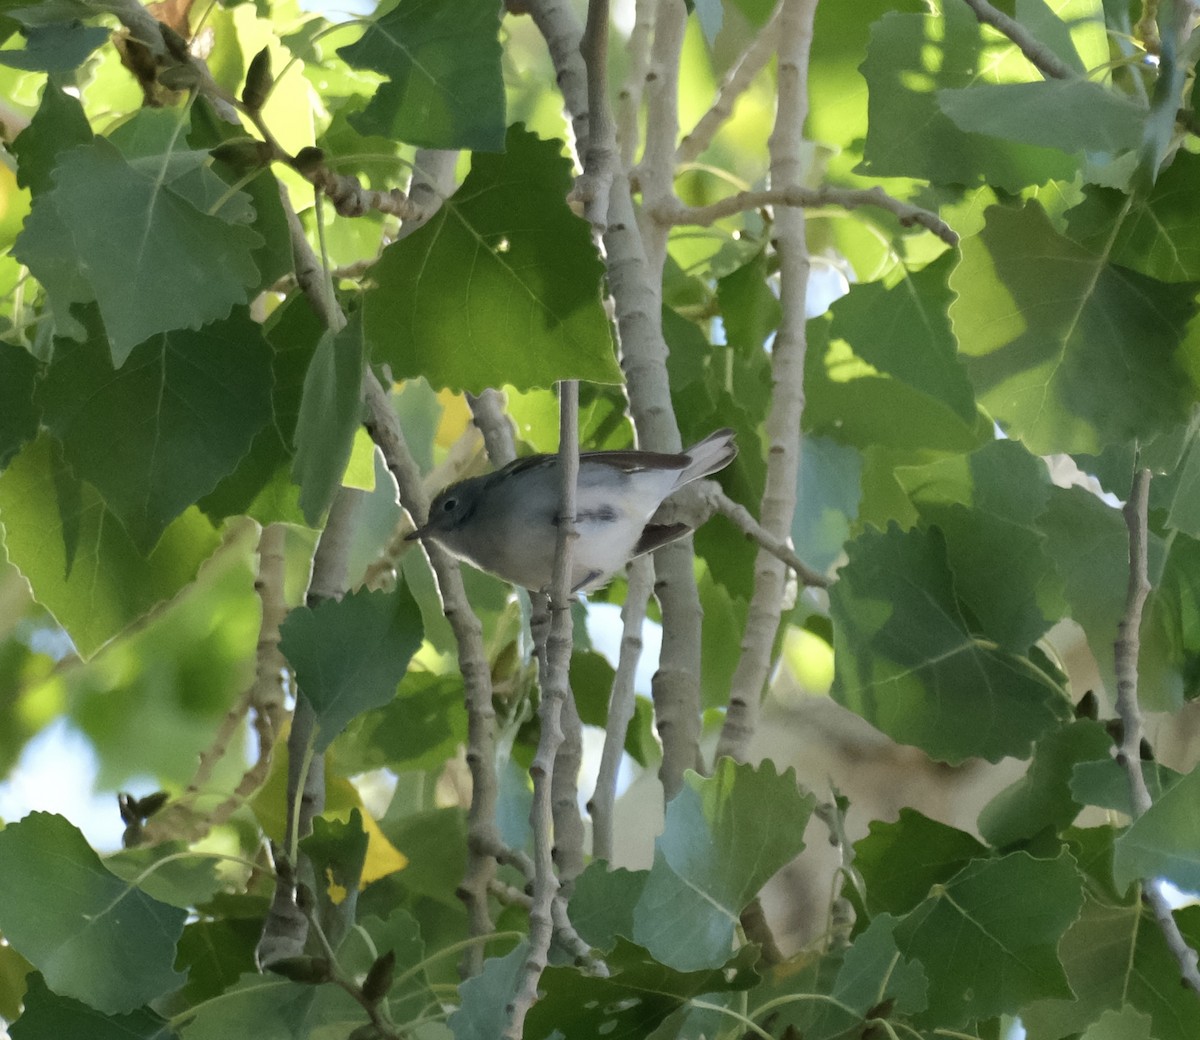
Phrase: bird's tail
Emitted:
{"points": [[715, 452]]}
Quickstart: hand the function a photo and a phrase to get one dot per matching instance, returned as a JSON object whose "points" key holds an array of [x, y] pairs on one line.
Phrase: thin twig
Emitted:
{"points": [[1040, 56], [1125, 657], [621, 704], [555, 691], [741, 518], [753, 60], [674, 212]]}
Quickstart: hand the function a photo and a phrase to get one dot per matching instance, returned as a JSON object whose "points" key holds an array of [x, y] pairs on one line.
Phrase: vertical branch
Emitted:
{"points": [[630, 98], [555, 692], [558, 24], [483, 833], [620, 706], [1126, 651], [787, 373], [286, 928]]}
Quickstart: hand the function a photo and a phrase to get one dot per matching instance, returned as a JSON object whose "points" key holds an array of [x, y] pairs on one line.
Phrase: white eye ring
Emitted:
{"points": [[449, 505]]}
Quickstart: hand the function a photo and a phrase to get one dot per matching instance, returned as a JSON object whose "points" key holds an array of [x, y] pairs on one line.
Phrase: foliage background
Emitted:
{"points": [[214, 378]]}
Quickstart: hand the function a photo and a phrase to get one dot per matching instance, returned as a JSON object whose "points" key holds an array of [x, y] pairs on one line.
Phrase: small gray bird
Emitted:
{"points": [[506, 522]]}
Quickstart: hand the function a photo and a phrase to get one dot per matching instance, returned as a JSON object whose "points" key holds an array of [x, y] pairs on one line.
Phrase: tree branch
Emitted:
{"points": [[629, 100], [621, 704], [675, 213], [753, 60], [555, 692], [1040, 56], [285, 930], [787, 374], [1126, 651]]}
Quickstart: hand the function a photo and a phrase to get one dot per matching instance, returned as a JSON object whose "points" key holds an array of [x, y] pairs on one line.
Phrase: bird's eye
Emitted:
{"points": [[449, 505]]}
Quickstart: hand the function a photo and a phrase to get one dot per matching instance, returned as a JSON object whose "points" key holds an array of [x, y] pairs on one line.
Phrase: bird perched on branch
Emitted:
{"points": [[506, 523]]}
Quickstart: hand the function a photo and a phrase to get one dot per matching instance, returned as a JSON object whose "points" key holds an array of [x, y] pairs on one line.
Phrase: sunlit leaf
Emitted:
{"points": [[517, 278]]}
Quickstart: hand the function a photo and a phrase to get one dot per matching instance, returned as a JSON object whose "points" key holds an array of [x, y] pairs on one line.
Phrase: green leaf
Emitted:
{"points": [[337, 849], [1044, 796], [442, 60], [349, 654], [1184, 514], [907, 661], [97, 582], [829, 490], [418, 729], [1068, 351], [55, 48], [910, 58], [330, 411], [853, 402], [1106, 784], [1164, 842], [1089, 544], [901, 861], [872, 975], [603, 902], [160, 432], [482, 1012], [1153, 233], [1068, 114], [45, 246], [401, 935], [501, 286], [49, 1016], [93, 936], [987, 504], [18, 413], [166, 873], [1115, 957], [57, 125], [1126, 1024], [988, 938], [267, 1007], [725, 836], [903, 332], [178, 266], [635, 999]]}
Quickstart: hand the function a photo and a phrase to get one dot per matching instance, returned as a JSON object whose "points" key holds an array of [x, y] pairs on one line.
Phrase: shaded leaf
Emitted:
{"points": [[329, 413], [1044, 796], [18, 413], [1164, 842], [1152, 233], [58, 124], [637, 997], [988, 938], [49, 1016], [1068, 351], [483, 999], [442, 60], [55, 48], [160, 432], [907, 662], [93, 936], [987, 505], [1069, 114], [349, 654], [901, 861], [910, 58], [501, 286], [179, 267], [724, 837]]}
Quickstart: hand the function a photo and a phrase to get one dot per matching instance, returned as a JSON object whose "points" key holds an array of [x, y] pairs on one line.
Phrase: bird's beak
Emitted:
{"points": [[412, 536]]}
